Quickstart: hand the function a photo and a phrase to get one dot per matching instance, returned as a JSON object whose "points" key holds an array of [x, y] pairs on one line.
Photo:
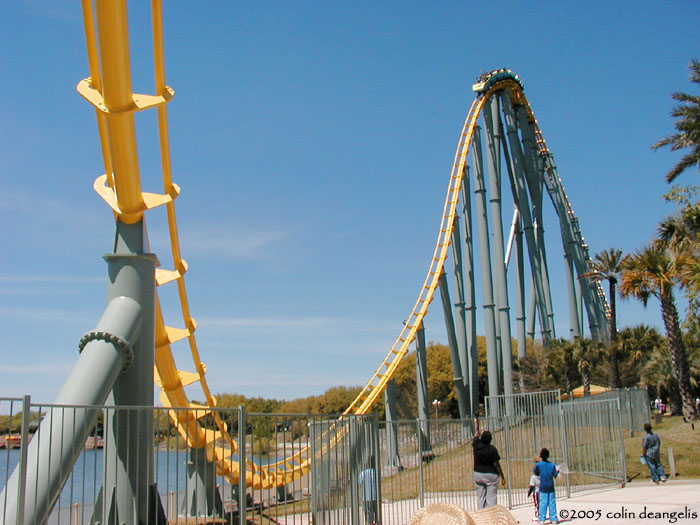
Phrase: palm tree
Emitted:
{"points": [[688, 126], [606, 266], [585, 353], [560, 364], [657, 375], [682, 230], [654, 271], [635, 345]]}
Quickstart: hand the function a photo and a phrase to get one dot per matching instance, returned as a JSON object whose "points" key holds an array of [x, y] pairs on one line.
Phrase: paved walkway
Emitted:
{"points": [[639, 502]]}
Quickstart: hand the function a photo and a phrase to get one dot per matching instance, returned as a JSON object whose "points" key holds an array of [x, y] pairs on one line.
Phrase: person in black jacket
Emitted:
{"points": [[487, 468]]}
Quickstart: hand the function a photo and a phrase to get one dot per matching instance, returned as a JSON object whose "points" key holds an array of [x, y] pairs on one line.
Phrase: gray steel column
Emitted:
{"points": [[391, 417], [532, 310], [470, 363], [460, 318], [241, 487], [520, 291], [422, 392], [579, 304], [484, 253], [534, 170], [520, 195], [494, 142], [574, 327], [128, 456], [454, 352], [593, 302], [60, 439], [202, 498]]}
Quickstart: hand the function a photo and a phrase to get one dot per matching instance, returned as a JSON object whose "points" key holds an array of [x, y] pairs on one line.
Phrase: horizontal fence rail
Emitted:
{"points": [[360, 470]]}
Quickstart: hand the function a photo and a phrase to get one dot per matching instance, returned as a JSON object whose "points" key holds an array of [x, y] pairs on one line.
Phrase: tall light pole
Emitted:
{"points": [[436, 404]]}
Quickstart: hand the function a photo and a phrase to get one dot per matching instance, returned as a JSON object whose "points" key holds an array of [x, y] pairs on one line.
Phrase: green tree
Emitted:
{"points": [[585, 353], [533, 370], [654, 270], [635, 345], [605, 266], [687, 115], [560, 364], [658, 376]]}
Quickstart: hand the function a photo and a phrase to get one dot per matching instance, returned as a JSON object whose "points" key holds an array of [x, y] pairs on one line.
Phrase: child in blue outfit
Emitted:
{"points": [[547, 472]]}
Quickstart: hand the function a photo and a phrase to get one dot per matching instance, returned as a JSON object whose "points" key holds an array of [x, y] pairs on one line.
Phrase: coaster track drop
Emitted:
{"points": [[109, 91]]}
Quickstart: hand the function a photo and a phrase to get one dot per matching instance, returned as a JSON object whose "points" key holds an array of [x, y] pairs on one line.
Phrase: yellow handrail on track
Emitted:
{"points": [[109, 90]]}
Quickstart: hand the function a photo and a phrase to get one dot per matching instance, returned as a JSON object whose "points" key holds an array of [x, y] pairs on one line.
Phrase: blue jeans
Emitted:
{"points": [[655, 468], [548, 501]]}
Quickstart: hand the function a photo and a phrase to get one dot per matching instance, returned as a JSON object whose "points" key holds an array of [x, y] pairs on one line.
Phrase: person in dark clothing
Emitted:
{"points": [[651, 448], [487, 468], [547, 472]]}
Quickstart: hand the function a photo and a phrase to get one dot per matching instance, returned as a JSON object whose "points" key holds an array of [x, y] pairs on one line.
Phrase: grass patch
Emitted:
{"points": [[676, 434]]}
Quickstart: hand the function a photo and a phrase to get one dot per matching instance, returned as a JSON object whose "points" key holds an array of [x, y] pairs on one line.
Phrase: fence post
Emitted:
{"points": [[420, 465], [506, 428], [629, 405], [242, 511], [377, 465], [671, 462], [623, 458], [21, 488], [565, 446]]}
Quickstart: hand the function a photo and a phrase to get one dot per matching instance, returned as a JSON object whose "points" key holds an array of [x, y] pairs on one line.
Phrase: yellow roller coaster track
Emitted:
{"points": [[108, 89]]}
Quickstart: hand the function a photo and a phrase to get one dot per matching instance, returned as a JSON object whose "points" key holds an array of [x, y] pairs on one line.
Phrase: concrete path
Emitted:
{"points": [[639, 502]]}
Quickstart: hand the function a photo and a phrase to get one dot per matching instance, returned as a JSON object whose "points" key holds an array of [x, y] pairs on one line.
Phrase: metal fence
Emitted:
{"points": [[417, 462], [634, 406]]}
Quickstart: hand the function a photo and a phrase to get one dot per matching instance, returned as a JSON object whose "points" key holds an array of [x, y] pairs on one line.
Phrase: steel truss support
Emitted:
{"points": [[575, 329], [575, 246], [202, 497], [391, 417], [534, 174], [127, 495], [105, 353], [486, 279], [516, 172], [469, 361], [454, 351], [494, 144], [422, 393], [460, 321]]}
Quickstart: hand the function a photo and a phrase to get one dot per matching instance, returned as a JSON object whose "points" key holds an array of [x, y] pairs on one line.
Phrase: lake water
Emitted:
{"points": [[83, 485]]}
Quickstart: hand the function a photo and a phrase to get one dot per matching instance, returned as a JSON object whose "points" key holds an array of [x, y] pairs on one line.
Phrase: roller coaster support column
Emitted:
{"points": [[454, 352], [534, 172], [574, 326], [202, 498], [470, 370], [520, 297], [516, 172], [392, 438], [597, 319], [425, 447], [460, 326], [494, 143], [105, 352], [485, 254], [128, 494]]}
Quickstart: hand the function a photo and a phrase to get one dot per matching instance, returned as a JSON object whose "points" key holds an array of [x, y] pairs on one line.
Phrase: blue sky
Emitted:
{"points": [[313, 143]]}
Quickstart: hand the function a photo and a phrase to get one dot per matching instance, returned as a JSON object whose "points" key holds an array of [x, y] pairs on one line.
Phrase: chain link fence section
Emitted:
{"points": [[416, 462]]}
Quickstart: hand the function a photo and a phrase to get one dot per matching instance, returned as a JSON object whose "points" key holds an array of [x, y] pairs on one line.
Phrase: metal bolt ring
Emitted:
{"points": [[120, 344]]}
